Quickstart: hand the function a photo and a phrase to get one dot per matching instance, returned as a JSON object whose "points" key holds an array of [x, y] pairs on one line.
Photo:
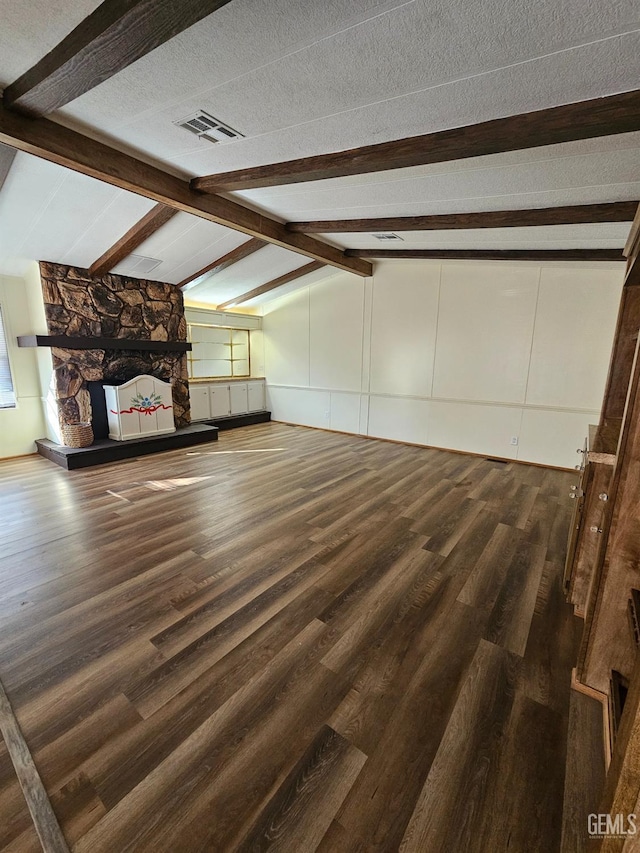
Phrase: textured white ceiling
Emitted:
{"points": [[589, 171], [300, 78], [264, 265], [607, 235], [30, 30], [51, 213]]}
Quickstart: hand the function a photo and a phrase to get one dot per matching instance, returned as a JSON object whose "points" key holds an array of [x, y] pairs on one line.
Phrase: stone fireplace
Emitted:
{"points": [[109, 311]]}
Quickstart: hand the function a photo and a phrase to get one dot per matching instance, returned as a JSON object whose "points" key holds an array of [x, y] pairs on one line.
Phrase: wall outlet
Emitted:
{"points": [[514, 440], [327, 414]]}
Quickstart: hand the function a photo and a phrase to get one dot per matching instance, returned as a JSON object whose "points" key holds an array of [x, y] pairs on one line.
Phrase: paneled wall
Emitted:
{"points": [[507, 360], [20, 426]]}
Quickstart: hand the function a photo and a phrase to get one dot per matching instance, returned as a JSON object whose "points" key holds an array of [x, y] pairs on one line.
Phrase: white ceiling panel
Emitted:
{"points": [[51, 213], [108, 225], [608, 175], [30, 30], [240, 38], [595, 70], [264, 265], [606, 235], [374, 73], [186, 243], [304, 281]]}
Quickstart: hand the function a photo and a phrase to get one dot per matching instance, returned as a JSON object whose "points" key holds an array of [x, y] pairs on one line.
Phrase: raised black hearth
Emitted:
{"points": [[105, 450]]}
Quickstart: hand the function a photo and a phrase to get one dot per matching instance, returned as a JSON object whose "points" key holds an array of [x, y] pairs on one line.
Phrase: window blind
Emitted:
{"points": [[7, 393]]}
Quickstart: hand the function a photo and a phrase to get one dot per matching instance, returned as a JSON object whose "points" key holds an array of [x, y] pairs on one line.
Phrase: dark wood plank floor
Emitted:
{"points": [[292, 640]]}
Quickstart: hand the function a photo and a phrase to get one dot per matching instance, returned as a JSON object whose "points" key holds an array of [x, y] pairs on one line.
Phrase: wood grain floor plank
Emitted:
{"points": [[552, 646], [489, 571], [467, 755], [299, 814], [524, 798], [585, 774], [511, 616]]}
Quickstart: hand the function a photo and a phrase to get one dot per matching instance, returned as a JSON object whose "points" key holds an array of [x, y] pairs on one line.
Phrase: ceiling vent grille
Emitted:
{"points": [[137, 266], [205, 126], [387, 236]]}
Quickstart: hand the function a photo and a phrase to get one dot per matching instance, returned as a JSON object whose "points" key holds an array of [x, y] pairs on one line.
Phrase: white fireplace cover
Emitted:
{"points": [[142, 406]]}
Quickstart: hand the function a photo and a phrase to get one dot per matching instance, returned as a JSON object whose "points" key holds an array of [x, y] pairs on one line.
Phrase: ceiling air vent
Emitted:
{"points": [[207, 127], [388, 236], [137, 266]]}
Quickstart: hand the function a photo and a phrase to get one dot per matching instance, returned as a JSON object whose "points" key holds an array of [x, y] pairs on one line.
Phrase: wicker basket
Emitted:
{"points": [[77, 435]]}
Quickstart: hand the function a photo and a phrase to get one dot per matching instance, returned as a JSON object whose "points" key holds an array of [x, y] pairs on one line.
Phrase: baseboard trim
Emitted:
{"points": [[431, 447]]}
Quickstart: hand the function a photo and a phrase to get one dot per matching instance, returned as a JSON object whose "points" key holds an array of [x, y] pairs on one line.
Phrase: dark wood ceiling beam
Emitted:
{"points": [[7, 155], [583, 120], [228, 260], [493, 254], [135, 236], [632, 253], [51, 141], [113, 36], [617, 211], [271, 285]]}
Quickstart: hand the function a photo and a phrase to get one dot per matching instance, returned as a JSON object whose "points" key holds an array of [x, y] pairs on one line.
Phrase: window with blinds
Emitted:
{"points": [[7, 393]]}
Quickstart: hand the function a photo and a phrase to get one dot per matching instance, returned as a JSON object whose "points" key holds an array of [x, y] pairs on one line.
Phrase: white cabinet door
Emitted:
{"points": [[255, 396], [199, 395], [219, 399], [239, 404]]}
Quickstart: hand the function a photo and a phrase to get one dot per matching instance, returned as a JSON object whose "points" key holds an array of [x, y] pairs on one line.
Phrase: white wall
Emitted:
{"points": [[20, 426], [466, 356]]}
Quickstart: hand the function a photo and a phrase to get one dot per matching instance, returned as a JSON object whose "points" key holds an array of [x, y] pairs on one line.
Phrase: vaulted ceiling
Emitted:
{"points": [[302, 80]]}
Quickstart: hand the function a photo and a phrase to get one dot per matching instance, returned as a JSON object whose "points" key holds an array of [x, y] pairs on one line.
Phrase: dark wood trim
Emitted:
{"points": [[583, 120], [228, 260], [113, 36], [68, 342], [7, 155], [135, 236], [271, 285], [44, 138], [493, 254], [34, 792], [617, 211], [632, 253]]}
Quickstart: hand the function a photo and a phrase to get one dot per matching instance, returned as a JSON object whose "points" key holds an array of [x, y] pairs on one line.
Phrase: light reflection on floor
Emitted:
{"points": [[221, 452]]}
